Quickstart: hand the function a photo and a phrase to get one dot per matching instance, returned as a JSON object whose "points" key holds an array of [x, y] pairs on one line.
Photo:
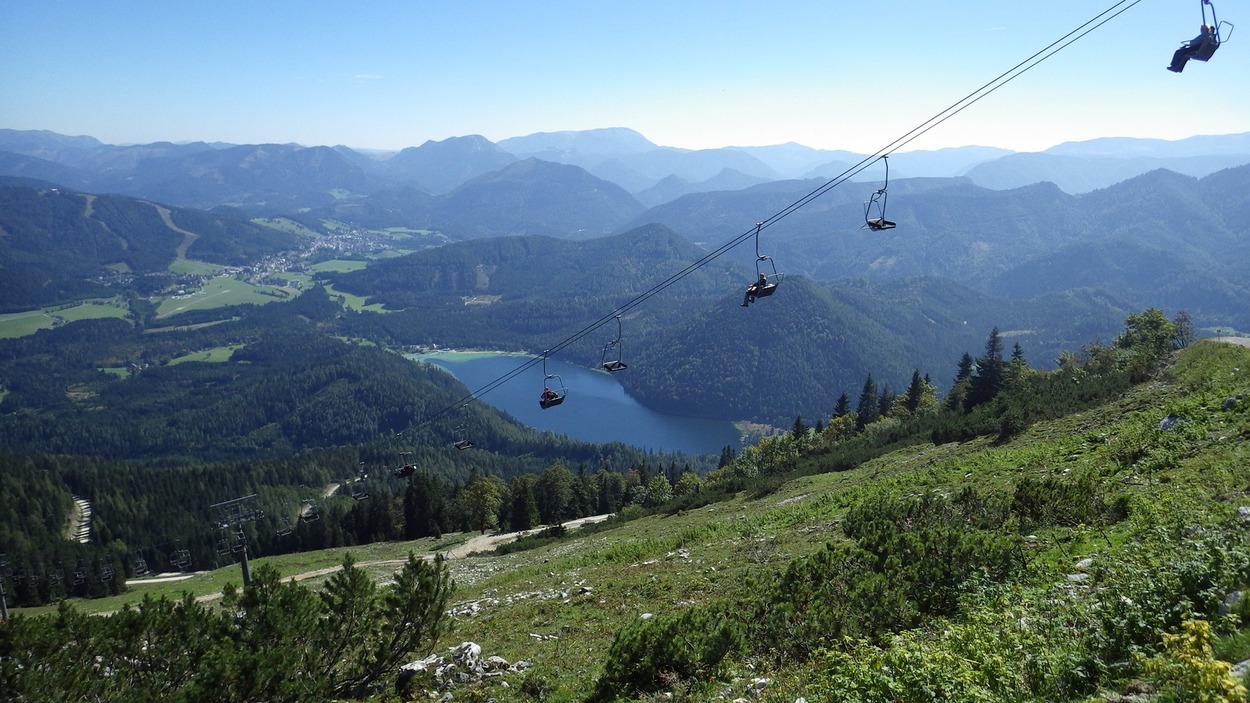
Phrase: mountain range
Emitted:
{"points": [[270, 177], [541, 246]]}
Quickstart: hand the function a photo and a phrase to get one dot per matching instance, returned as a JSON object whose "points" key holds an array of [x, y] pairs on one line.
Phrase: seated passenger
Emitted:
{"points": [[754, 289], [1190, 48]]}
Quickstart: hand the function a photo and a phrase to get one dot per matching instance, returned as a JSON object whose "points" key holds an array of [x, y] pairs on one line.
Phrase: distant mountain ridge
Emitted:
{"points": [[204, 175], [530, 196]]}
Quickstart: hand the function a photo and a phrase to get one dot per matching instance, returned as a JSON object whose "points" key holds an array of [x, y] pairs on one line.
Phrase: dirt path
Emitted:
{"points": [[480, 543]]}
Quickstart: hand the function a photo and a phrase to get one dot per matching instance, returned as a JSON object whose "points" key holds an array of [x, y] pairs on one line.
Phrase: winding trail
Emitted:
{"points": [[480, 543]]}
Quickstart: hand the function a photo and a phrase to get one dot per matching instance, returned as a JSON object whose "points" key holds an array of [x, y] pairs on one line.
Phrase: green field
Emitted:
{"points": [[354, 302], [193, 267], [338, 266], [222, 291], [285, 225], [214, 355], [20, 324]]}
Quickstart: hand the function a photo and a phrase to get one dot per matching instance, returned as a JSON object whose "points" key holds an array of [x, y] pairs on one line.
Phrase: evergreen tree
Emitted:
{"points": [[799, 430], [611, 489], [424, 512], [1017, 368], [915, 390], [990, 374], [885, 401], [524, 514], [963, 376], [867, 409], [843, 406]]}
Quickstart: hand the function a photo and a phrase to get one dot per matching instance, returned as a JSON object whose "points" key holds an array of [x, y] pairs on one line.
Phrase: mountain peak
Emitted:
{"points": [[610, 141]]}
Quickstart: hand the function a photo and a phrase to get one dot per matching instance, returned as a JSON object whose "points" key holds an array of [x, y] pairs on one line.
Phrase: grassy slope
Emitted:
{"points": [[20, 324], [663, 564]]}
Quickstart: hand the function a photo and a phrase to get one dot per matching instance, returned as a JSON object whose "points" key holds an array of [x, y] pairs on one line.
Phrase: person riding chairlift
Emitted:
{"points": [[754, 289], [1191, 48]]}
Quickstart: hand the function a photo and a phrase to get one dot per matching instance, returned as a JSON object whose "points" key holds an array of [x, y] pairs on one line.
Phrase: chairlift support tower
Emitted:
{"points": [[231, 516]]}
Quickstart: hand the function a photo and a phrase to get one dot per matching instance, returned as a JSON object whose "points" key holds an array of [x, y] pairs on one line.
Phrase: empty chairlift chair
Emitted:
{"points": [[462, 438], [874, 210], [611, 359]]}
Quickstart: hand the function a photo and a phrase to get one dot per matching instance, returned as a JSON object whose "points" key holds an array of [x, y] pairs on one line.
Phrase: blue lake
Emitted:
{"points": [[596, 409]]}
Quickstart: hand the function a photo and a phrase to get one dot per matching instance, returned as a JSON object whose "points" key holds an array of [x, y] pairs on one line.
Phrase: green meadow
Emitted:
{"points": [[222, 291]]}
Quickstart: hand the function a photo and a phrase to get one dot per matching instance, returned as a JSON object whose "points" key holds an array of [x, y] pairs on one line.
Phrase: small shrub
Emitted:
{"points": [[1186, 670], [649, 655]]}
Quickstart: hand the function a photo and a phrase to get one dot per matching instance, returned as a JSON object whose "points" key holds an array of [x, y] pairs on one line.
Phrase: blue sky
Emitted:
{"points": [[691, 74]]}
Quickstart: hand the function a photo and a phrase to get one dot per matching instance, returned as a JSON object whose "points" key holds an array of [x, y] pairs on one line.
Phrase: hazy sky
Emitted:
{"points": [[685, 73]]}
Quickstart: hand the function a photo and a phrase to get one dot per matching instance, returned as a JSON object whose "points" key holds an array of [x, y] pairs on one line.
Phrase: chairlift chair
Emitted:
{"points": [[766, 278], [606, 361], [768, 281], [462, 438], [107, 572], [1218, 34], [140, 565], [876, 205], [554, 391], [310, 512], [406, 467]]}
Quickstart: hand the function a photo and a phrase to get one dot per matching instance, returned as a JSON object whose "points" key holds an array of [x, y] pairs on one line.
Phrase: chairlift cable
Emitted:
{"points": [[1063, 42]]}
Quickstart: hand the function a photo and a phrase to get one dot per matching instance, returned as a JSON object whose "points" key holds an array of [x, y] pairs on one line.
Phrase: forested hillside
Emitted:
{"points": [[1182, 239], [693, 350], [283, 404], [62, 245]]}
